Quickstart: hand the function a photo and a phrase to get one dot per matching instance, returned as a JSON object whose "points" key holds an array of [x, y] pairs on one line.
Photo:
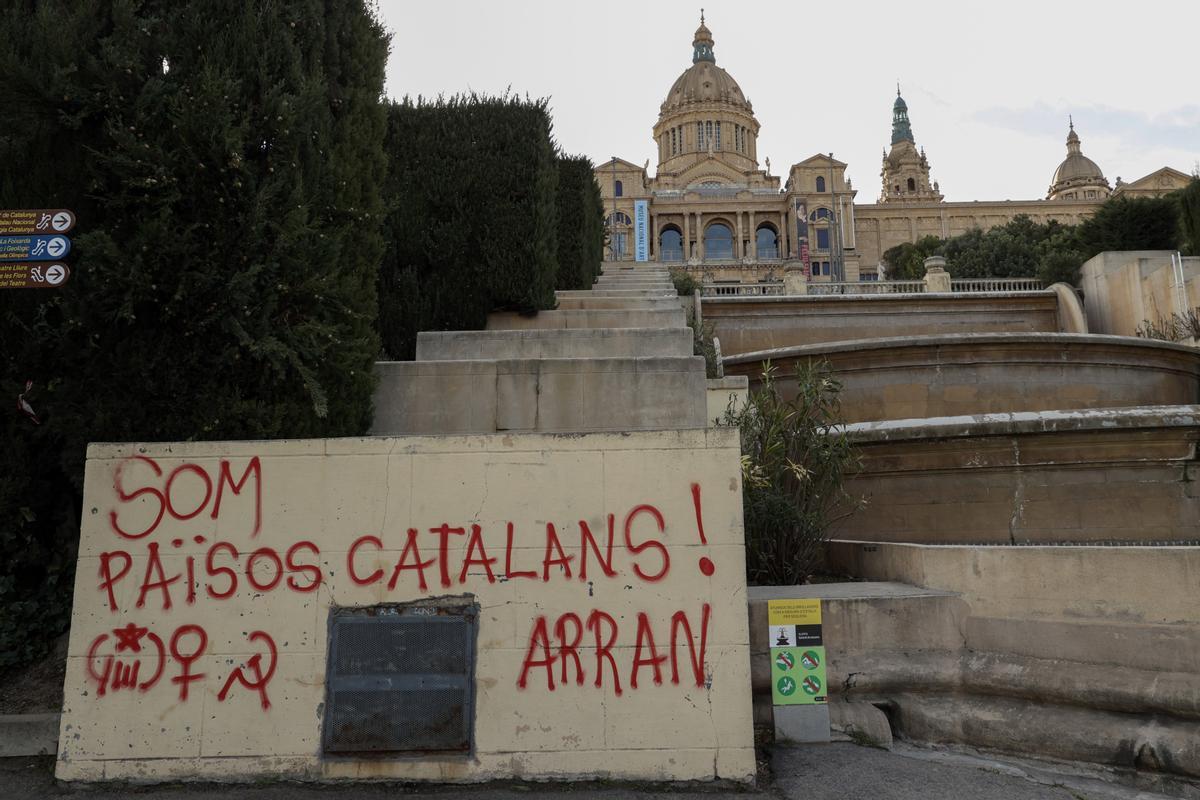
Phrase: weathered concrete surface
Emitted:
{"points": [[980, 373], [724, 394], [552, 394], [583, 318], [635, 293], [572, 343], [28, 734], [750, 324], [600, 302], [1126, 289], [1118, 475], [1065, 652], [299, 527]]}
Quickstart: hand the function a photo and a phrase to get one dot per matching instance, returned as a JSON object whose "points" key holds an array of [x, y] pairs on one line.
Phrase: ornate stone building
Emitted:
{"points": [[711, 207]]}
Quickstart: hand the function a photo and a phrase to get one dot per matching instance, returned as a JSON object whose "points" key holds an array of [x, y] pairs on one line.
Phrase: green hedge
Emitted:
{"points": [[580, 224], [225, 256], [471, 226]]}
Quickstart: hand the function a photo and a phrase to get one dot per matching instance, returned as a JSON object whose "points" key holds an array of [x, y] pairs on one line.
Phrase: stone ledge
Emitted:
{"points": [[28, 734]]}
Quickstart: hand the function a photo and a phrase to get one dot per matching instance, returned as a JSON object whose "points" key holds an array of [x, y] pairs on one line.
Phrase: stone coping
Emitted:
{"points": [[959, 340], [1025, 422], [530, 442], [849, 590], [518, 366], [777, 299]]}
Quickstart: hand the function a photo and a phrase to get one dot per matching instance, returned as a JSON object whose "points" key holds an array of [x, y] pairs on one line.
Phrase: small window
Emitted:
{"points": [[401, 679], [822, 238], [618, 189], [718, 129], [700, 145], [912, 185], [820, 184]]}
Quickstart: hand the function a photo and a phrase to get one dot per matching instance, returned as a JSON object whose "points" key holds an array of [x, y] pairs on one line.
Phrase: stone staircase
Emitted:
{"points": [[617, 357]]}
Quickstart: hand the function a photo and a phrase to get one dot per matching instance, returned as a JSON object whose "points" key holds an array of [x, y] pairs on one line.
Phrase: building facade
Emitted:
{"points": [[713, 209]]}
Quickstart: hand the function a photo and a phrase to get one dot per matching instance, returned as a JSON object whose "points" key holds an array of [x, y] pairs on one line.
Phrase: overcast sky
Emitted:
{"points": [[988, 87]]}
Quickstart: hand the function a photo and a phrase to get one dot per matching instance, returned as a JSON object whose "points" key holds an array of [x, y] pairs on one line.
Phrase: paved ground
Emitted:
{"points": [[824, 772]]}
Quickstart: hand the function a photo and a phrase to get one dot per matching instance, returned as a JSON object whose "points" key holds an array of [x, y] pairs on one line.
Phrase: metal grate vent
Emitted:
{"points": [[401, 679]]}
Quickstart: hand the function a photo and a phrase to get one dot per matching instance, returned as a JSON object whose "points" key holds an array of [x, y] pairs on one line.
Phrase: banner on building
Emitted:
{"points": [[641, 230], [802, 236]]}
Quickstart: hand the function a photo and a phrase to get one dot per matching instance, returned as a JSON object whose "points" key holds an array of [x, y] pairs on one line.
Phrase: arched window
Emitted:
{"points": [[718, 135], [912, 185], [670, 244], [766, 242], [820, 213], [621, 218], [718, 241], [820, 184], [618, 189]]}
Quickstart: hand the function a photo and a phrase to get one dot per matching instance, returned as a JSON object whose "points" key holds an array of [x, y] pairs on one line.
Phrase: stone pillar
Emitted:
{"points": [[794, 281], [687, 238], [781, 236], [700, 234], [739, 249], [937, 280], [652, 245]]}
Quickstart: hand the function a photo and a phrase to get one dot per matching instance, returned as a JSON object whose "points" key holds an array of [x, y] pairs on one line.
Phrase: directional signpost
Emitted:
{"points": [[31, 243]]}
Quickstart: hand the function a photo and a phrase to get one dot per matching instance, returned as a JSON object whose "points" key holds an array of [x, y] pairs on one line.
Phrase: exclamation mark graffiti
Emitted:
{"points": [[706, 564]]}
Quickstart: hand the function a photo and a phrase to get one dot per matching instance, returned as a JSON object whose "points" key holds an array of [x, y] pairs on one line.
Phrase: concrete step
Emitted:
{"points": [[577, 343], [626, 303], [587, 318], [651, 293], [570, 394], [646, 287]]}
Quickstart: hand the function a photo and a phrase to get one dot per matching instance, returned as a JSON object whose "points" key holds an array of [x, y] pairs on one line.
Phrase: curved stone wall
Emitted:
{"points": [[951, 375], [1107, 475], [749, 324]]}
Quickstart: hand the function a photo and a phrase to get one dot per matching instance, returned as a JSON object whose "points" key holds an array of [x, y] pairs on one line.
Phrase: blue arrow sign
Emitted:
{"points": [[33, 248]]}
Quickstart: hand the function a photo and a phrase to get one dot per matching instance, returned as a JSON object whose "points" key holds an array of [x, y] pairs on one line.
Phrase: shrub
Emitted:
{"points": [[795, 462], [686, 284], [580, 224], [471, 225]]}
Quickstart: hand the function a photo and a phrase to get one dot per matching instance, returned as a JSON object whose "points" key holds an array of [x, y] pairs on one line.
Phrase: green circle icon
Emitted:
{"points": [[811, 684], [810, 659], [785, 661], [786, 686]]}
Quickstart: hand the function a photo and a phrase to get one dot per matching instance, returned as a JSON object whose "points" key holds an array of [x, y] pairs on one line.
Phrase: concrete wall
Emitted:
{"points": [[580, 343], [1064, 652], [585, 318], [732, 391], [949, 375], [214, 568], [1124, 475], [1124, 289], [749, 324], [568, 394]]}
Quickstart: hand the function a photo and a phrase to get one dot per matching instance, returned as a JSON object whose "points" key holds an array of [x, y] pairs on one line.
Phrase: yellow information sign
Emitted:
{"points": [[794, 612], [798, 675]]}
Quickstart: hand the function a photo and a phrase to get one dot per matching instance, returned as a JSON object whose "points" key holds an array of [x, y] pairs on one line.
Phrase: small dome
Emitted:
{"points": [[1078, 167], [1076, 170]]}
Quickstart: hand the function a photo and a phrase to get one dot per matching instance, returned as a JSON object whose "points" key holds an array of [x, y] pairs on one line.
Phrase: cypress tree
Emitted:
{"points": [[223, 158], [471, 225], [580, 223]]}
